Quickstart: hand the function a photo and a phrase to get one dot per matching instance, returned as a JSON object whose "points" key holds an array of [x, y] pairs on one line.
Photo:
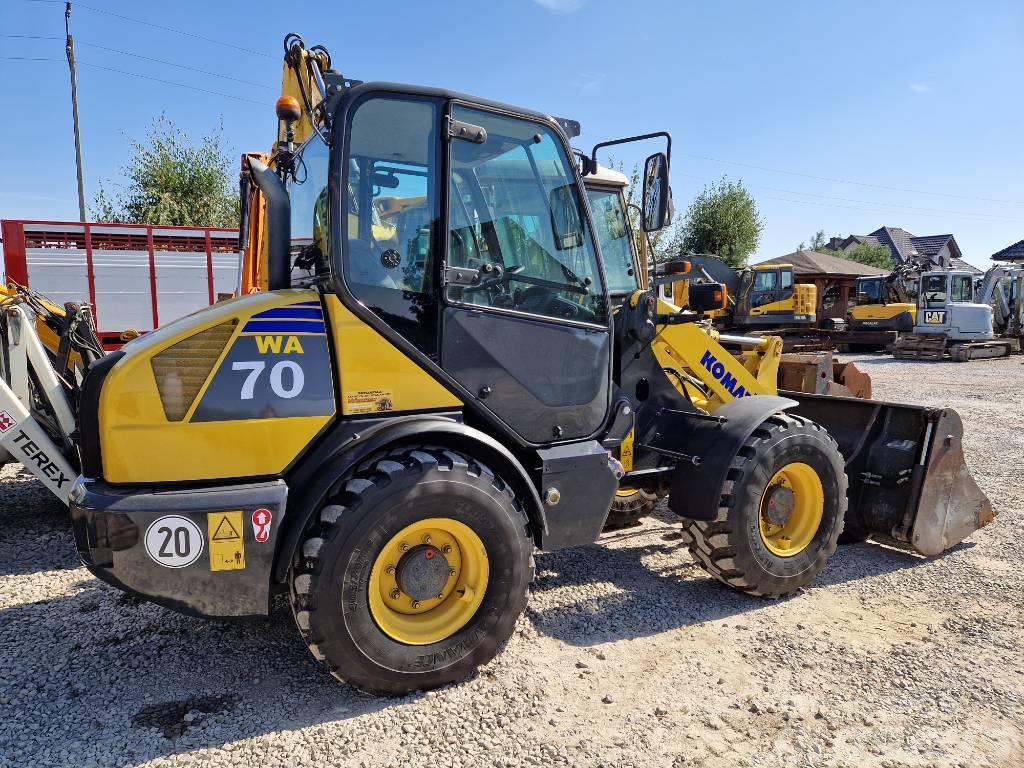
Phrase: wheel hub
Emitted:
{"points": [[778, 505], [423, 572]]}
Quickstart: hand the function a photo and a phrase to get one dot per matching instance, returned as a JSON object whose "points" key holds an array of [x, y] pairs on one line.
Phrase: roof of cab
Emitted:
{"points": [[607, 176]]}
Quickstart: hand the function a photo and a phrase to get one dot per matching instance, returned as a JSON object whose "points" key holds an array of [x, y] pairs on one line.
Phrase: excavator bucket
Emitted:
{"points": [[909, 482]]}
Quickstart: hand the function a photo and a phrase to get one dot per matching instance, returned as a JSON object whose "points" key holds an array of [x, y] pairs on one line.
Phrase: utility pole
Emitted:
{"points": [[70, 48]]}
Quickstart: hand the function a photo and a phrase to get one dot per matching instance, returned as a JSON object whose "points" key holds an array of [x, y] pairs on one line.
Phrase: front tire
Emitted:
{"points": [[782, 509], [628, 508], [415, 573]]}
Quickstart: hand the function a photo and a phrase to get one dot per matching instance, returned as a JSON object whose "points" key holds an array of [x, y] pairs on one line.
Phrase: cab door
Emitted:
{"points": [[766, 287], [525, 318]]}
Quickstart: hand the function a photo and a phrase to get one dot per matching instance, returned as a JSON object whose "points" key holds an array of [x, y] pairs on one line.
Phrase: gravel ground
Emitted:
{"points": [[627, 655]]}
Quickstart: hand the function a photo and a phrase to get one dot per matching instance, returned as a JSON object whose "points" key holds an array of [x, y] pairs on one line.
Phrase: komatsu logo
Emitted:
{"points": [[717, 369]]}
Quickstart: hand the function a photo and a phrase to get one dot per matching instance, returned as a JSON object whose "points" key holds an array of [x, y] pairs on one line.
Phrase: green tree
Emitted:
{"points": [[172, 181], [723, 220], [872, 255], [818, 241]]}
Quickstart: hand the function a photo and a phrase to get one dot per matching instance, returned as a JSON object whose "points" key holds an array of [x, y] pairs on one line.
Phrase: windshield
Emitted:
{"points": [[613, 236], [869, 291], [933, 291], [517, 221]]}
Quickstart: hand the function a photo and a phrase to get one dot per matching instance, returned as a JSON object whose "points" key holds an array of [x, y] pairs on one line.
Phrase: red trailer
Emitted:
{"points": [[134, 275]]}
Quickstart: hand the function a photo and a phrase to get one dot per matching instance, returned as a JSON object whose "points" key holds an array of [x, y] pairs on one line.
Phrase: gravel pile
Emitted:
{"points": [[627, 656]]}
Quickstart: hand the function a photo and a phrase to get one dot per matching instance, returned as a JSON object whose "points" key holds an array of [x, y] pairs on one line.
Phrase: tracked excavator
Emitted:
{"points": [[430, 388]]}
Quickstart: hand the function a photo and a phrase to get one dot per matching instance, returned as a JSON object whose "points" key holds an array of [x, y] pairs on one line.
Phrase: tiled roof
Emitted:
{"points": [[896, 240], [817, 263], [955, 263], [930, 245], [1013, 252]]}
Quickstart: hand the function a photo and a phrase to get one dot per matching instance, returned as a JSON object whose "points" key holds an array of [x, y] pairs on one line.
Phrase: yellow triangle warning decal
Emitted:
{"points": [[225, 531]]}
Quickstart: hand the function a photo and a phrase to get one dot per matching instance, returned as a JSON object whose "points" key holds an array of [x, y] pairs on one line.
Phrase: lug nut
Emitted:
{"points": [[426, 539], [395, 594], [447, 549], [404, 547], [415, 603], [440, 595], [390, 570], [451, 572]]}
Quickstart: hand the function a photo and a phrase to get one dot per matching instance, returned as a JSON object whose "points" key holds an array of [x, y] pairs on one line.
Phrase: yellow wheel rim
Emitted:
{"points": [[791, 509], [625, 492], [428, 581]]}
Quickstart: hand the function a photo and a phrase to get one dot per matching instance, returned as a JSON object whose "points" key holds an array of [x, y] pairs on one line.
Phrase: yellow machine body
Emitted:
{"points": [[191, 390]]}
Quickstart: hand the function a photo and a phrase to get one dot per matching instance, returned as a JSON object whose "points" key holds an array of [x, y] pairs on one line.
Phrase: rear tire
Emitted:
{"points": [[735, 549], [337, 577], [628, 510]]}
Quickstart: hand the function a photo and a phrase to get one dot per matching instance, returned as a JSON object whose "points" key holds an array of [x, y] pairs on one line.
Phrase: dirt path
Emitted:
{"points": [[627, 655]]}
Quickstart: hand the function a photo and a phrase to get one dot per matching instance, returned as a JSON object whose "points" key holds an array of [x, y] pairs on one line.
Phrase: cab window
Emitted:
{"points": [[517, 225], [961, 288], [613, 235], [933, 290], [392, 208], [787, 278], [307, 188], [869, 291], [766, 280]]}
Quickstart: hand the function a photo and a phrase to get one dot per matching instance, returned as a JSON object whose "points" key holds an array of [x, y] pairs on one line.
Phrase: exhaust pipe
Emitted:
{"points": [[279, 224]]}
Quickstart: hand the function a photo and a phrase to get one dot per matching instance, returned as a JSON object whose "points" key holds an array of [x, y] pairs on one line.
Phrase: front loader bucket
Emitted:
{"points": [[905, 463]]}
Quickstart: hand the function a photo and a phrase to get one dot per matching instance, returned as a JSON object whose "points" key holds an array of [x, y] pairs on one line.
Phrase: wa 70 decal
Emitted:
{"points": [[270, 376]]}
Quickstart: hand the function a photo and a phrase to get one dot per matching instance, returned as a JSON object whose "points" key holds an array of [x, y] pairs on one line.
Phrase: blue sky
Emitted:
{"points": [[837, 116]]}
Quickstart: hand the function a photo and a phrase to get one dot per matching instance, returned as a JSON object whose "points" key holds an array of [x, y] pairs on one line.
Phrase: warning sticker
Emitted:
{"points": [[6, 421], [227, 547], [369, 401]]}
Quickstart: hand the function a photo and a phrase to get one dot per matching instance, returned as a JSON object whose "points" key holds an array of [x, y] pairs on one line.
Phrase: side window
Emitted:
{"points": [[933, 291], [766, 280], [612, 231], [961, 289], [517, 220], [392, 209], [787, 278], [309, 213]]}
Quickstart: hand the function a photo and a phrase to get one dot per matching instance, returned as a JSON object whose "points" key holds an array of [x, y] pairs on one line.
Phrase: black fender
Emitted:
{"points": [[320, 474], [697, 486]]}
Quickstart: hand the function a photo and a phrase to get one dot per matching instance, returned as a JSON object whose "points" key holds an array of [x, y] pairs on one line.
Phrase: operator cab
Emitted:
{"points": [[462, 237]]}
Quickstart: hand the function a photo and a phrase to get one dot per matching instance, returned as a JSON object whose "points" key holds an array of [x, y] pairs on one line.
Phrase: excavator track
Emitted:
{"points": [[915, 346], [985, 350]]}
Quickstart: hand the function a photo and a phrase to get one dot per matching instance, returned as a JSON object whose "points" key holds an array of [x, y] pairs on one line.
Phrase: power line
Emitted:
{"points": [[932, 212], [176, 31], [172, 64], [136, 74], [140, 56], [848, 181], [171, 82]]}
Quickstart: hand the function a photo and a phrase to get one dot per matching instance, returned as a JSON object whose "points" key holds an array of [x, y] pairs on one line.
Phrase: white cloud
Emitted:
{"points": [[920, 87], [561, 6]]}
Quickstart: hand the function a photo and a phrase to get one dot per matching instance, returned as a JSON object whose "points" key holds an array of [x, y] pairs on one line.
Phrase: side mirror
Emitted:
{"points": [[656, 199], [564, 203]]}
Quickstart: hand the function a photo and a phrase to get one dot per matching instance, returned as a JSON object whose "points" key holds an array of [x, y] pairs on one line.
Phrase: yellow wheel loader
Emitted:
{"points": [[416, 403]]}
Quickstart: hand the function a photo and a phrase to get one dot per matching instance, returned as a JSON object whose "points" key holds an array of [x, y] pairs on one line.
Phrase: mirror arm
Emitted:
{"points": [[629, 139]]}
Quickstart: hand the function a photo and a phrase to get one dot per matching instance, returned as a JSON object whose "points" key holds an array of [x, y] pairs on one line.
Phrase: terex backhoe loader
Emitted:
{"points": [[416, 403]]}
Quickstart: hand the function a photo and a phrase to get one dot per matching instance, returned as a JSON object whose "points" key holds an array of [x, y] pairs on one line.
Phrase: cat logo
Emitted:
{"points": [[384, 404], [935, 316]]}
